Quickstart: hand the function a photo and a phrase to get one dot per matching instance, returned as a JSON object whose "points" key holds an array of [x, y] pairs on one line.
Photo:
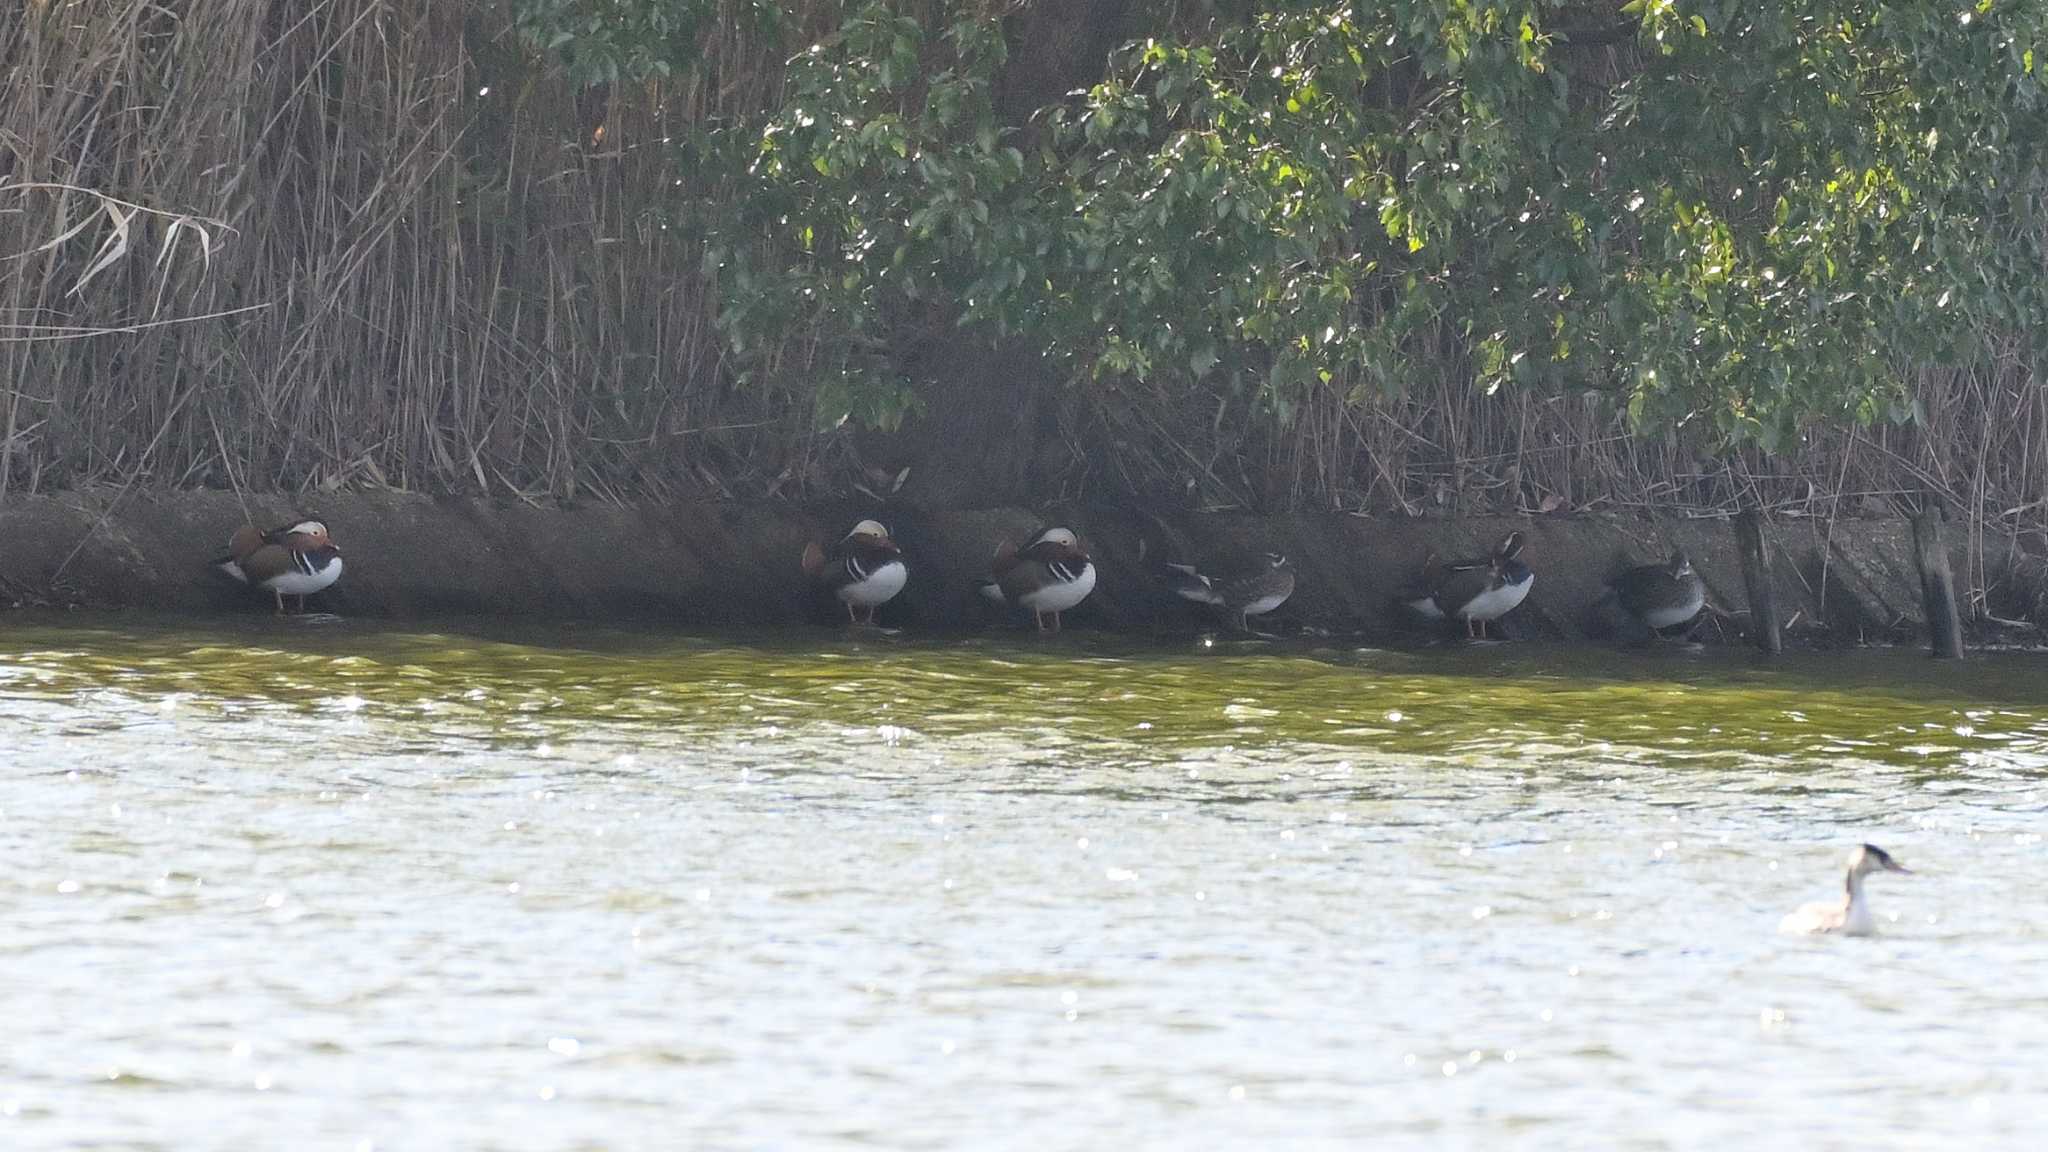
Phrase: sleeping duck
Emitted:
{"points": [[1660, 596], [864, 570], [293, 560], [1253, 590], [1418, 595], [1049, 575]]}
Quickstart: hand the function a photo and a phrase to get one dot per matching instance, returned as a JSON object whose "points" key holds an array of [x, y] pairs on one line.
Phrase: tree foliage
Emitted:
{"points": [[1739, 214]]}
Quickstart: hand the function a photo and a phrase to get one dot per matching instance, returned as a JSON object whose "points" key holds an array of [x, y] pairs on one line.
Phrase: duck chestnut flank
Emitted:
{"points": [[864, 570], [295, 559], [1049, 575]]}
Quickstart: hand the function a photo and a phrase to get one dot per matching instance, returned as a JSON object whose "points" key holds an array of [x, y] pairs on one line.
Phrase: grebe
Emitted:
{"points": [[1850, 915]]}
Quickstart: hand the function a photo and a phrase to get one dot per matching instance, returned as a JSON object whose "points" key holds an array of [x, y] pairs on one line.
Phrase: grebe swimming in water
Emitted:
{"points": [[1850, 915]]}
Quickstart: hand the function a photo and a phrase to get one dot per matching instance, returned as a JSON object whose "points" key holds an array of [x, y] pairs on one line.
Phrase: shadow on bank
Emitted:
{"points": [[712, 564]]}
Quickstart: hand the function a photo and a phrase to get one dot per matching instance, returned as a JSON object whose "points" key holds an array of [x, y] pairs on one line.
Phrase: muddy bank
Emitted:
{"points": [[705, 564]]}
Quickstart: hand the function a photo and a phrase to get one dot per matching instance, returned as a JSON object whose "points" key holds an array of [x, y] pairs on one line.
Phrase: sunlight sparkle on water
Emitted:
{"points": [[891, 833]]}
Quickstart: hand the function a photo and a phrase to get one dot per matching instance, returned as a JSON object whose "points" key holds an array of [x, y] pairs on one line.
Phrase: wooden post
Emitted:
{"points": [[1756, 579], [1937, 586]]}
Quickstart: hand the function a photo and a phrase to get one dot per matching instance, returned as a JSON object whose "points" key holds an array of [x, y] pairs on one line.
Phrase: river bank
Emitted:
{"points": [[735, 563]]}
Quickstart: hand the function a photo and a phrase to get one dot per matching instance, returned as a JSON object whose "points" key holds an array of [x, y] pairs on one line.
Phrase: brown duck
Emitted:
{"points": [[1049, 575], [292, 560], [864, 570]]}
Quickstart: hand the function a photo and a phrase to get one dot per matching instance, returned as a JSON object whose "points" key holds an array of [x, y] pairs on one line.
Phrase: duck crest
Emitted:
{"points": [[863, 570], [1049, 575], [296, 559]]}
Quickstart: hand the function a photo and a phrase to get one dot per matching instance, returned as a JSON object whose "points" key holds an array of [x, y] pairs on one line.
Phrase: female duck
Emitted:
{"points": [[1050, 575], [1245, 594], [1849, 916], [1418, 595], [864, 570], [292, 560], [1482, 590], [1660, 596]]}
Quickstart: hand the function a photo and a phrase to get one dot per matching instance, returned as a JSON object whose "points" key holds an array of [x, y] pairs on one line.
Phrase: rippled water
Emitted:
{"points": [[274, 885]]}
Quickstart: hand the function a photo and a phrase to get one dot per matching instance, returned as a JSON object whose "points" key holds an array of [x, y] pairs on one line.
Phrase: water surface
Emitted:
{"points": [[270, 884]]}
